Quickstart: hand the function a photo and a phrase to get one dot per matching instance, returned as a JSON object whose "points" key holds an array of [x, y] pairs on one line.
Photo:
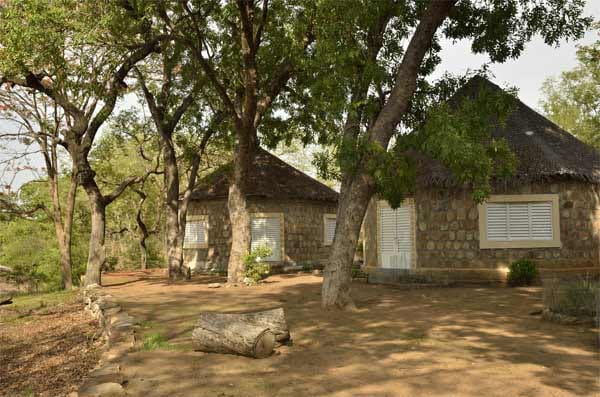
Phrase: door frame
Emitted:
{"points": [[410, 202]]}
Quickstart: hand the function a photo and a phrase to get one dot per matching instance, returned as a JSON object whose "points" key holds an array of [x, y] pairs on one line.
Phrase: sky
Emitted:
{"points": [[527, 73]]}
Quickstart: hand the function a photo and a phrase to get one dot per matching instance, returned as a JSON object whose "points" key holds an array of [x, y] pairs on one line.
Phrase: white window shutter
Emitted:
{"points": [[541, 221], [519, 221], [195, 233], [497, 221], [330, 224], [267, 232]]}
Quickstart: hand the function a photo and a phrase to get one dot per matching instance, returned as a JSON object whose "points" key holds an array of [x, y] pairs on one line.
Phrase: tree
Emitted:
{"points": [[573, 99], [168, 103], [28, 241], [39, 121], [130, 146], [82, 71], [249, 52], [373, 67]]}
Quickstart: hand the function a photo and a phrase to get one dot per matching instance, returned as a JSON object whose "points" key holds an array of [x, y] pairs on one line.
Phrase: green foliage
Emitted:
{"points": [[256, 268], [29, 245], [573, 99], [352, 81], [155, 341], [522, 272], [580, 297], [357, 271], [458, 135]]}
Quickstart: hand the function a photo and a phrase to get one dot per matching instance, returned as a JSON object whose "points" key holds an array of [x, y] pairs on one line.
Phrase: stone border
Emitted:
{"points": [[117, 328]]}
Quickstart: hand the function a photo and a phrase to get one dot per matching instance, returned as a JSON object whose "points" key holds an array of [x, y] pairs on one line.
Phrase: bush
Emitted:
{"points": [[30, 276], [522, 272], [578, 297], [357, 272], [256, 269]]}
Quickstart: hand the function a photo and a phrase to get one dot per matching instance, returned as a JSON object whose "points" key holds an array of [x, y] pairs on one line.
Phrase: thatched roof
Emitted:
{"points": [[270, 178], [544, 150]]}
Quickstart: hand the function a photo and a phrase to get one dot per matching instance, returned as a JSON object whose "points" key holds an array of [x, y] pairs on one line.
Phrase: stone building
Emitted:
{"points": [[291, 213], [549, 212]]}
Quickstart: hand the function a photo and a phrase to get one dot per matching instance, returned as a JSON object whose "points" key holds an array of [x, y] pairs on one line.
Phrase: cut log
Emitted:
{"points": [[249, 334], [274, 319]]}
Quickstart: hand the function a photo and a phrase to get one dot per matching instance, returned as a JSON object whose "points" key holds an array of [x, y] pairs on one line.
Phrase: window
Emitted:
{"points": [[196, 235], [329, 221], [519, 221], [267, 230]]}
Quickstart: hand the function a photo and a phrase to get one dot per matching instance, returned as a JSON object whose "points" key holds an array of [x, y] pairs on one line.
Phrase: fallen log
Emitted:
{"points": [[6, 301], [250, 334]]}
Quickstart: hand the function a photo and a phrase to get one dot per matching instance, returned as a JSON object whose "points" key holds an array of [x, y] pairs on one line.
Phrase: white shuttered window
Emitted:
{"points": [[195, 234], [266, 231], [329, 222], [519, 221]]}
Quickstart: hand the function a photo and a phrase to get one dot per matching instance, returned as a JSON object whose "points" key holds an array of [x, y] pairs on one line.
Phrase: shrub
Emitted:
{"points": [[256, 269], [522, 272], [29, 276], [579, 297], [357, 272]]}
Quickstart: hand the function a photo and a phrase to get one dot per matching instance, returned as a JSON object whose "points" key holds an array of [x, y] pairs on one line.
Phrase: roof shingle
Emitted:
{"points": [[270, 177], [544, 150]]}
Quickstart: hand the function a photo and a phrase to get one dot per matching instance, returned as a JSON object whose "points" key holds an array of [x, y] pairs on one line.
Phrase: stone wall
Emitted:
{"points": [[303, 232], [447, 233]]}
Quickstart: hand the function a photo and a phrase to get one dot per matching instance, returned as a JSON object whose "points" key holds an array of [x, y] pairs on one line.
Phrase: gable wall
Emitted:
{"points": [[303, 232], [447, 234]]}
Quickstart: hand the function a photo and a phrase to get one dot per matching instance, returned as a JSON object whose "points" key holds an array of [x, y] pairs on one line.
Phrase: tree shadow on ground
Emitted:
{"points": [[440, 341]]}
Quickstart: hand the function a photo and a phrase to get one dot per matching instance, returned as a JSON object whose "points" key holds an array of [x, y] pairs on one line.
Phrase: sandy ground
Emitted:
{"points": [[419, 342]]}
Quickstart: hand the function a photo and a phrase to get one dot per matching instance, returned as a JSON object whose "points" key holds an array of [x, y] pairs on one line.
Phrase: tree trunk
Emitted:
{"points": [[357, 188], [240, 233], [97, 253], [249, 334], [144, 254], [171, 178], [62, 227], [337, 279]]}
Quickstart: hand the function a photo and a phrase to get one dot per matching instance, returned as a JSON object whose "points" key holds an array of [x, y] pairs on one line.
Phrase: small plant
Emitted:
{"points": [[522, 272], [579, 297], [256, 268], [155, 341], [357, 272]]}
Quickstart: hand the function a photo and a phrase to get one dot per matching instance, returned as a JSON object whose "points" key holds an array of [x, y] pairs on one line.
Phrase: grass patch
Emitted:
{"points": [[24, 304], [155, 341]]}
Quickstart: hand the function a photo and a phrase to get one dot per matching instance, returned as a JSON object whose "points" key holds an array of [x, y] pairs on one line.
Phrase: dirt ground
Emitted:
{"points": [[47, 345], [419, 342]]}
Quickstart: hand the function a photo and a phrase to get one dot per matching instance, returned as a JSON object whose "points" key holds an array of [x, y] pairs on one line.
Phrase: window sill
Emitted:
{"points": [[486, 244]]}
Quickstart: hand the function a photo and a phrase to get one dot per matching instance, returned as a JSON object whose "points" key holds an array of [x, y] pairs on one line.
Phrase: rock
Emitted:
{"points": [[108, 389], [214, 285], [317, 272], [106, 370]]}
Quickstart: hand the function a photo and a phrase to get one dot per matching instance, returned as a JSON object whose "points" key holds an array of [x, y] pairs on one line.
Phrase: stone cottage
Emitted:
{"points": [[291, 213], [549, 212]]}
